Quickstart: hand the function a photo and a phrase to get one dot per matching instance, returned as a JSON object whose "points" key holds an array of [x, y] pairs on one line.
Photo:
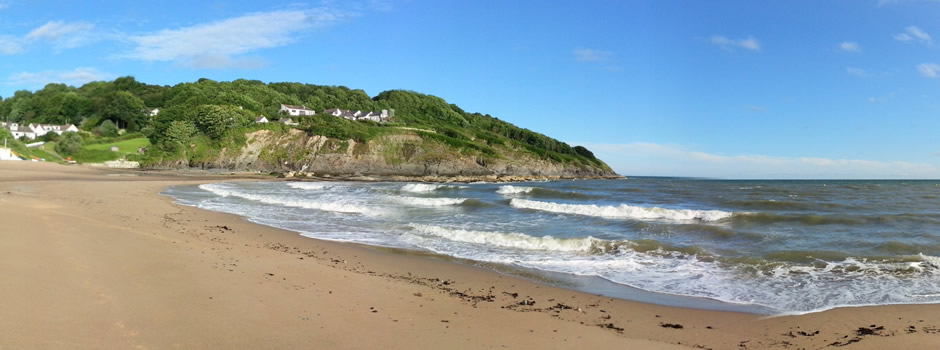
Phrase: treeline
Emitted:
{"points": [[209, 109]]}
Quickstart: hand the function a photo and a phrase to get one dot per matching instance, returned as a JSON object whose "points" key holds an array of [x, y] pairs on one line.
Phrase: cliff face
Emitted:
{"points": [[405, 154]]}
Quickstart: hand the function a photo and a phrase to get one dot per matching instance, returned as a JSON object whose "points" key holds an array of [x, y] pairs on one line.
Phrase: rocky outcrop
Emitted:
{"points": [[402, 154]]}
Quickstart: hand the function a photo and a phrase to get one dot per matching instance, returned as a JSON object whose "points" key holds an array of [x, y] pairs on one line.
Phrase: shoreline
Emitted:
{"points": [[180, 276]]}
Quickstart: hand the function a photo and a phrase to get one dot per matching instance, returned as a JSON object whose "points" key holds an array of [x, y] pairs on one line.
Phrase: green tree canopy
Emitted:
{"points": [[69, 144]]}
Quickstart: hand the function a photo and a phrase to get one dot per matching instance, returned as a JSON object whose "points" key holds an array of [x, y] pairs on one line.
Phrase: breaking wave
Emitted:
{"points": [[508, 189], [430, 202], [313, 185], [219, 190], [510, 240], [423, 188], [622, 211]]}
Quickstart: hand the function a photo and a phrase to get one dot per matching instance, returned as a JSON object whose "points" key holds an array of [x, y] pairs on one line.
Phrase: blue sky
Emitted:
{"points": [[730, 89]]}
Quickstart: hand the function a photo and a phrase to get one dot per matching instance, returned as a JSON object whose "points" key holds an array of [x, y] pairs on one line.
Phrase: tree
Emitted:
{"points": [[69, 144], [127, 109], [215, 120], [178, 134], [107, 129]]}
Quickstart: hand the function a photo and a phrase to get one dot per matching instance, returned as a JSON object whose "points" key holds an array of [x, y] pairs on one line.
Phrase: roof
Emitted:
{"points": [[296, 107]]}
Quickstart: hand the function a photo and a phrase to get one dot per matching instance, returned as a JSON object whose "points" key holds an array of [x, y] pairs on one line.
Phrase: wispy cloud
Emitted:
{"points": [[858, 72], [10, 45], [749, 43], [913, 33], [756, 108], [3, 6], [892, 2], [63, 35], [668, 159], [77, 76], [930, 70], [591, 55], [882, 99], [850, 46], [217, 44]]}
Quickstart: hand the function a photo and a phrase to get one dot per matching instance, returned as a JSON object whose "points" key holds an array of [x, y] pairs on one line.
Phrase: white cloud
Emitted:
{"points": [[892, 2], [929, 70], [756, 109], [912, 33], [591, 55], [652, 159], [10, 45], [63, 35], [850, 46], [3, 6], [77, 76], [213, 45], [882, 99], [748, 44], [858, 72]]}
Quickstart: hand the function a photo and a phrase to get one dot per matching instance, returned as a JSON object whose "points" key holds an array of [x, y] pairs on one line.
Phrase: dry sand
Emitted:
{"points": [[97, 259]]}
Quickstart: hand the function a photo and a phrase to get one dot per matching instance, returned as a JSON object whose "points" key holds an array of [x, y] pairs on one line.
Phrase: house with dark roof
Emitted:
{"points": [[296, 110], [33, 131], [358, 114]]}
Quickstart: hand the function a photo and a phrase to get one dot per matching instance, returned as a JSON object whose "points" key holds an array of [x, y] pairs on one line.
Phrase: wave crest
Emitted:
{"points": [[423, 188], [430, 202], [512, 239], [312, 185], [508, 189], [622, 211], [219, 190]]}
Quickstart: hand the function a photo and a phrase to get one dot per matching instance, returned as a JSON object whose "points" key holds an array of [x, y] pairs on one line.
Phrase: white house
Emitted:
{"points": [[261, 119], [154, 112], [358, 115], [19, 131], [296, 110], [33, 131], [336, 112], [289, 121]]}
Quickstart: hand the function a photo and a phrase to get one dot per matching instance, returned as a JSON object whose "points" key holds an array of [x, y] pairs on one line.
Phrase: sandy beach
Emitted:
{"points": [[98, 259]]}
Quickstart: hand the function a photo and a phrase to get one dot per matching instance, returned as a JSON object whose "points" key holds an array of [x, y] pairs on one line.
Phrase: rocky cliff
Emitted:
{"points": [[403, 154]]}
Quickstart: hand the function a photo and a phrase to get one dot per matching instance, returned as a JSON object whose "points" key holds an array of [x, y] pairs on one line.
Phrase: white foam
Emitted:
{"points": [[218, 189], [421, 188], [509, 240], [622, 211], [313, 185], [430, 202], [508, 189]]}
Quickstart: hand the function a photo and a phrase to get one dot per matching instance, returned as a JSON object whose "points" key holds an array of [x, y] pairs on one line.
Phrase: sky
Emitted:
{"points": [[723, 89]]}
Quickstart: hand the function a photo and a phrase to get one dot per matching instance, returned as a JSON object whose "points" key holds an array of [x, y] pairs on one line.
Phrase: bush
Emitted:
{"points": [[106, 129], [70, 143], [49, 137]]}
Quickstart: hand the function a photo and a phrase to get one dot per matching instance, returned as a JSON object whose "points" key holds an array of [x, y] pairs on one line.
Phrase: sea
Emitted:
{"points": [[767, 247]]}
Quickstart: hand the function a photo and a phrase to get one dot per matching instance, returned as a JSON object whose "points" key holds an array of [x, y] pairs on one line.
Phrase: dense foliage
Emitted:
{"points": [[207, 111]]}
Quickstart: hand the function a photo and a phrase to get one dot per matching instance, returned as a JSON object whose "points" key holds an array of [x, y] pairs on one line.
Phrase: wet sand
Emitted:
{"points": [[97, 259]]}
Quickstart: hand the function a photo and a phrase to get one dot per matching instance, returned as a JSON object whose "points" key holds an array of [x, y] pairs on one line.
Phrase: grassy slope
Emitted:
{"points": [[101, 152]]}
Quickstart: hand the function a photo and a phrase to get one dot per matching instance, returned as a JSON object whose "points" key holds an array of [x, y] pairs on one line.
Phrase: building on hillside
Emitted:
{"points": [[296, 110], [289, 121], [358, 114], [261, 119], [154, 112], [336, 112], [32, 131]]}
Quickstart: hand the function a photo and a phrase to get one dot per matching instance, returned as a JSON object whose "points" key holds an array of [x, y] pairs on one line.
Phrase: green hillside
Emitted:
{"points": [[196, 120]]}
